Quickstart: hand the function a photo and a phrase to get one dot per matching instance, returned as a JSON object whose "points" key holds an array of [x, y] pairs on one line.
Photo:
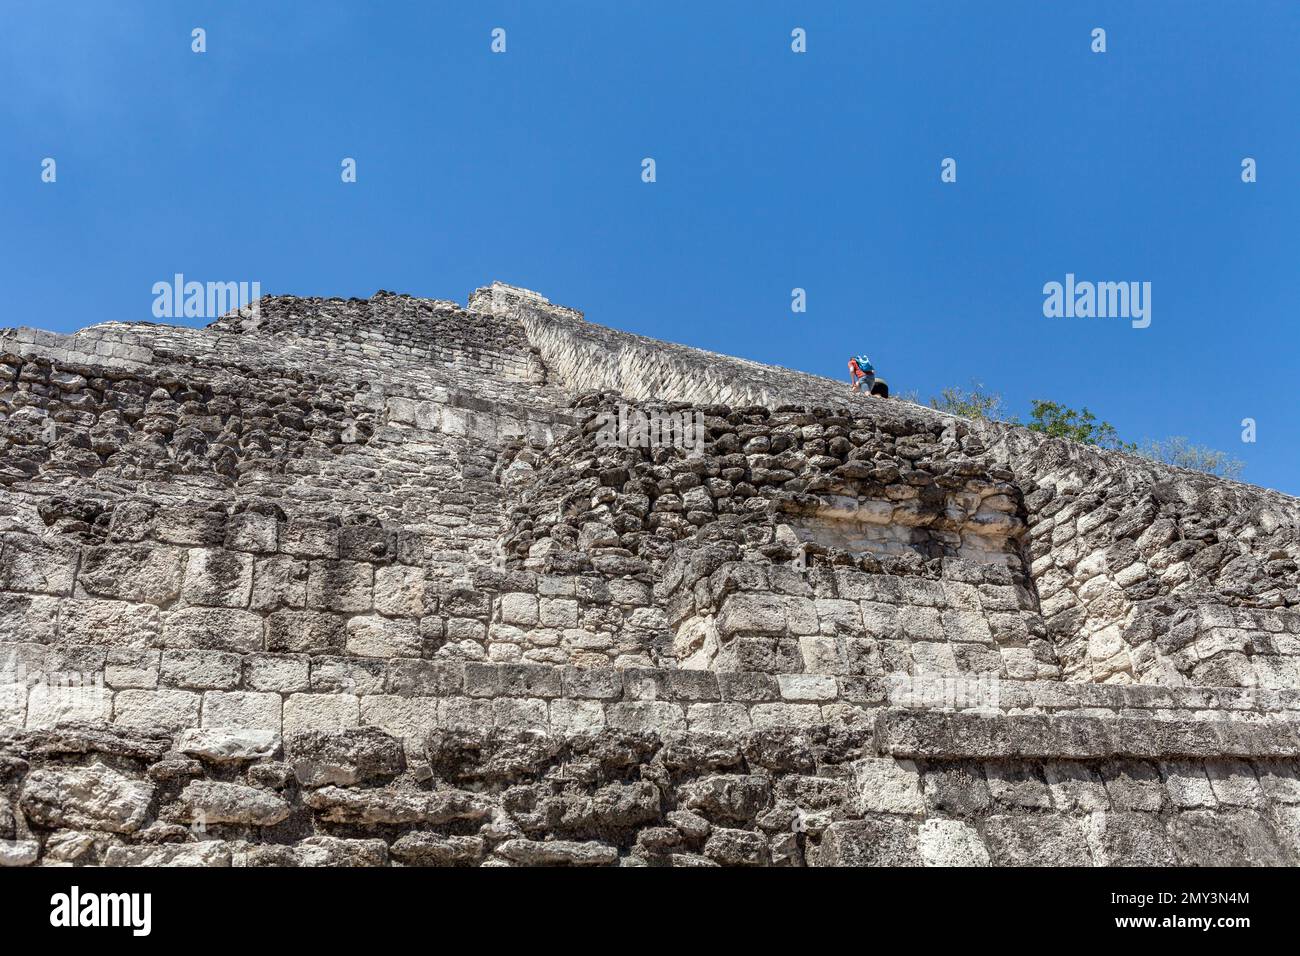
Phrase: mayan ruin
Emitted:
{"points": [[363, 582]]}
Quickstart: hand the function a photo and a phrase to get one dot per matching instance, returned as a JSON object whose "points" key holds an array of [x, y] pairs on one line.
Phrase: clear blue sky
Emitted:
{"points": [[775, 171]]}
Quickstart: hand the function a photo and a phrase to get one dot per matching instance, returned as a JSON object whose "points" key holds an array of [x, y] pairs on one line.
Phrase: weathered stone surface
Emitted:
{"points": [[729, 796], [336, 851], [839, 631], [340, 805], [211, 853], [1033, 840], [432, 849], [874, 841], [951, 843], [729, 847], [344, 757], [95, 797], [211, 802], [18, 852], [558, 852]]}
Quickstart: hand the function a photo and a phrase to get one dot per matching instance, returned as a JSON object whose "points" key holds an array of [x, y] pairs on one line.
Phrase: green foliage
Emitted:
{"points": [[1059, 421], [1179, 451], [974, 402]]}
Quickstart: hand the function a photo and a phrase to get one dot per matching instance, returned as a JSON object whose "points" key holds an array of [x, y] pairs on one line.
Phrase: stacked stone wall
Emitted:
{"points": [[84, 794], [343, 582]]}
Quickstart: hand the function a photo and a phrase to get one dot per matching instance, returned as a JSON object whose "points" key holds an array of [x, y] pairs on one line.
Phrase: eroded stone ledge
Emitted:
{"points": [[818, 796]]}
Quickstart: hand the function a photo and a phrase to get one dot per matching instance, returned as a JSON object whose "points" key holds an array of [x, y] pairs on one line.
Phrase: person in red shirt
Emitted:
{"points": [[861, 372]]}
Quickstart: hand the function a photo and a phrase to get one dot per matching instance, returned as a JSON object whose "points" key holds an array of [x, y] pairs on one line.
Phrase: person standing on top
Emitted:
{"points": [[861, 371]]}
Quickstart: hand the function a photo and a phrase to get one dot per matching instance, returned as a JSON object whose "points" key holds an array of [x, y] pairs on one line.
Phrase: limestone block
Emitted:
{"points": [[409, 718], [252, 532], [876, 841], [429, 849], [558, 612], [880, 620], [936, 658], [202, 670], [282, 673], [768, 716], [399, 591], [748, 687], [520, 609], [35, 565], [718, 718], [28, 618], [1017, 785], [950, 843], [652, 715], [19, 852], [108, 623], [520, 713], [364, 542], [967, 626], [629, 592], [419, 678], [310, 538], [95, 797], [801, 616], [1129, 839], [1075, 786], [1036, 840], [340, 586], [170, 710], [823, 654], [13, 704], [807, 687], [512, 680], [320, 712], [126, 667], [241, 709], [133, 573], [1280, 782], [278, 582], [214, 802], [351, 675], [228, 745], [305, 632], [218, 629], [576, 716], [1234, 783], [51, 704], [886, 785], [465, 629], [343, 758], [1223, 838], [597, 683], [646, 683], [858, 586], [464, 713], [921, 624], [375, 636], [556, 852], [1134, 785], [752, 614], [218, 578], [208, 853]]}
